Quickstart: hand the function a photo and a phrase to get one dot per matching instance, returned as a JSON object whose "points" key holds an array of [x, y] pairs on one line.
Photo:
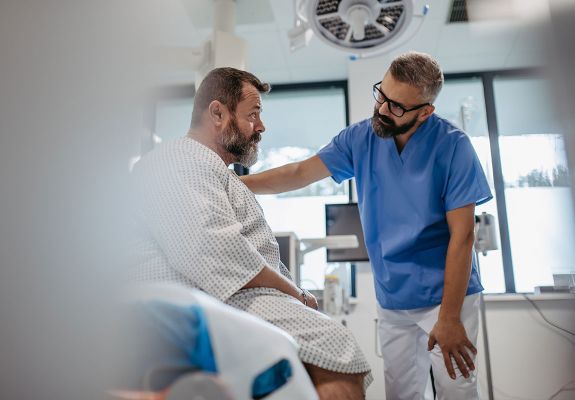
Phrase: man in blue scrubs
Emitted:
{"points": [[418, 182]]}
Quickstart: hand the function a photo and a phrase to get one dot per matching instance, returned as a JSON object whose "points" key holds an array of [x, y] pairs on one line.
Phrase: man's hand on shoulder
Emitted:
{"points": [[452, 339]]}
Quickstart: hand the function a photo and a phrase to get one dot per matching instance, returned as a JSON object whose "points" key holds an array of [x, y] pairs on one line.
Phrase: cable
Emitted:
{"points": [[564, 388], [510, 396], [544, 318], [561, 391]]}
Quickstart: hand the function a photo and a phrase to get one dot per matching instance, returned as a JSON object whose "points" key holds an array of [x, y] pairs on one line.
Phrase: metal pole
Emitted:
{"points": [[485, 338]]}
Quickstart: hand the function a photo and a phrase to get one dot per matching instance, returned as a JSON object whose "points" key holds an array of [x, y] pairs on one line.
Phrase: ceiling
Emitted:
{"points": [[492, 43]]}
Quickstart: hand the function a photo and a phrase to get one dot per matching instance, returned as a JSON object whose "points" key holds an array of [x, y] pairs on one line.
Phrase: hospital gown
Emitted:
{"points": [[199, 225]]}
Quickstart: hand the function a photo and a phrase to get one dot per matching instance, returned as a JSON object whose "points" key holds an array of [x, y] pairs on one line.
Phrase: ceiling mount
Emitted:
{"points": [[359, 27]]}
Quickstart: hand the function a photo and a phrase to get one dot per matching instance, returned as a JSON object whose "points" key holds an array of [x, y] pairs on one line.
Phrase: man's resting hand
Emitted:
{"points": [[308, 299]]}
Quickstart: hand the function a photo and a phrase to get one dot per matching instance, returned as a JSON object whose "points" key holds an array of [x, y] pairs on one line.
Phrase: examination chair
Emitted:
{"points": [[213, 351]]}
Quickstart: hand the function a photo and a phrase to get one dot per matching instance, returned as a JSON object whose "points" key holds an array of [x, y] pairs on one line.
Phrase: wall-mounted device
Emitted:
{"points": [[485, 233]]}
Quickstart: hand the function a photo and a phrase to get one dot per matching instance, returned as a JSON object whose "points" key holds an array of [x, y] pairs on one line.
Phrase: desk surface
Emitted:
{"points": [[534, 297]]}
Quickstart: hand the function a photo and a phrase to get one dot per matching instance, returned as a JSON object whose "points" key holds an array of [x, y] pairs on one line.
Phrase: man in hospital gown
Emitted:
{"points": [[200, 226]]}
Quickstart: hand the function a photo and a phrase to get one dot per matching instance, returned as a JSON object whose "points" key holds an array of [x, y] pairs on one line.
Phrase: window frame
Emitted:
{"points": [[487, 79]]}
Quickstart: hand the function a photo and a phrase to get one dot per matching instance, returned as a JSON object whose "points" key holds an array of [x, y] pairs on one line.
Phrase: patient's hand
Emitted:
{"points": [[312, 302], [309, 299]]}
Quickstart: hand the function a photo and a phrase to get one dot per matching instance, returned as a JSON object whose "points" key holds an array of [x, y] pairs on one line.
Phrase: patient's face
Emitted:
{"points": [[242, 133], [244, 148]]}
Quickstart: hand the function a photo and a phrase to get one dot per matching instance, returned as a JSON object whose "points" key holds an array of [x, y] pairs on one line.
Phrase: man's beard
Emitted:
{"points": [[244, 150], [385, 127]]}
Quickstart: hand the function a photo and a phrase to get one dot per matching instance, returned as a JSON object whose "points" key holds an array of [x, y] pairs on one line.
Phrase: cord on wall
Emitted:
{"points": [[545, 318]]}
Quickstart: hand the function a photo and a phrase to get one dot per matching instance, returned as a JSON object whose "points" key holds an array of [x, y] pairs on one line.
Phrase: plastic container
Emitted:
{"points": [[332, 295]]}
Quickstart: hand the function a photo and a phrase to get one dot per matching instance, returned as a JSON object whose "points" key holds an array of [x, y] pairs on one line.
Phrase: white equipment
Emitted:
{"points": [[360, 27], [334, 298], [292, 252], [485, 233], [243, 345], [363, 28], [293, 249], [485, 240], [329, 242], [289, 248], [222, 49]]}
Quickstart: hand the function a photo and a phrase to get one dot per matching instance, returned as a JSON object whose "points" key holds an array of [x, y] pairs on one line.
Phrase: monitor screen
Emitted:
{"points": [[343, 219]]}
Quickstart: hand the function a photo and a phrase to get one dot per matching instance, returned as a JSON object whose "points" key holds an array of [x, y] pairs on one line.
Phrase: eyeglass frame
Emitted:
{"points": [[395, 103]]}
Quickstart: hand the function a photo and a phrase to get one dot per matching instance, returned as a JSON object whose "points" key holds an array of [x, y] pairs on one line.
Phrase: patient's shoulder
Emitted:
{"points": [[184, 158]]}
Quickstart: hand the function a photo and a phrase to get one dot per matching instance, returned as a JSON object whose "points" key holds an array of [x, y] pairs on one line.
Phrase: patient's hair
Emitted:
{"points": [[419, 70], [224, 85]]}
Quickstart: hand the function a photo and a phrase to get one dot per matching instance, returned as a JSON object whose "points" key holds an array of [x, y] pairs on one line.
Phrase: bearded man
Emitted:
{"points": [[200, 226]]}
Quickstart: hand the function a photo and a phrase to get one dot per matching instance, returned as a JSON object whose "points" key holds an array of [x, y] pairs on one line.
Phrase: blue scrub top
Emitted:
{"points": [[403, 200]]}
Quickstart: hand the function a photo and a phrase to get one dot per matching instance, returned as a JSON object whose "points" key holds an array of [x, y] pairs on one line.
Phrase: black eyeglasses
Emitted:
{"points": [[395, 108]]}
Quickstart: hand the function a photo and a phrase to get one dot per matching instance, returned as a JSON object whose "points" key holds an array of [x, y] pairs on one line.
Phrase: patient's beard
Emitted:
{"points": [[244, 150]]}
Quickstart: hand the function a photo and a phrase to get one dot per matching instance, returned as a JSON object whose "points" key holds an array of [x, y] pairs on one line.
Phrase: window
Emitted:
{"points": [[535, 173], [461, 101], [299, 121]]}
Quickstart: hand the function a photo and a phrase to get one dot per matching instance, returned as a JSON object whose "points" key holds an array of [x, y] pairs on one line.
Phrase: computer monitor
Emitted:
{"points": [[343, 219]]}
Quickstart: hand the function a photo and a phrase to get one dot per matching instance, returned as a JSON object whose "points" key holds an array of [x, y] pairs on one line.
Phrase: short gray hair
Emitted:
{"points": [[419, 70]]}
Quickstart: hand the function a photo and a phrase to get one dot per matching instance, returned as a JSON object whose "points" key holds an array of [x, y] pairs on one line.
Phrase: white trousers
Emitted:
{"points": [[403, 336]]}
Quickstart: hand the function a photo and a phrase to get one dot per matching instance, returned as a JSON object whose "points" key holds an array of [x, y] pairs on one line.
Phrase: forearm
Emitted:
{"points": [[288, 177], [270, 278], [275, 180], [456, 278]]}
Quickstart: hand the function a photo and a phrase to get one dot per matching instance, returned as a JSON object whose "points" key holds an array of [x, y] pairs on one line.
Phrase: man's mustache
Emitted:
{"points": [[256, 137], [385, 119]]}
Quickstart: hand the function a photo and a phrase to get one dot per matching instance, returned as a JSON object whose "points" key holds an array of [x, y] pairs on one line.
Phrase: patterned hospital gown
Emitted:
{"points": [[200, 226]]}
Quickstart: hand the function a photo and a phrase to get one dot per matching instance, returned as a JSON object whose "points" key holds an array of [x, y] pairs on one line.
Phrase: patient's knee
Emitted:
{"points": [[336, 386]]}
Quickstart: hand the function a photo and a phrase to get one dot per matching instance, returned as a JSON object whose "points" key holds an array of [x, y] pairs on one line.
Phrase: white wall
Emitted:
{"points": [[361, 321], [529, 359]]}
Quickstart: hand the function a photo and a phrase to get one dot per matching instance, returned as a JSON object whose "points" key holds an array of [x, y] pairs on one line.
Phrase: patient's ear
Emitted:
{"points": [[216, 112]]}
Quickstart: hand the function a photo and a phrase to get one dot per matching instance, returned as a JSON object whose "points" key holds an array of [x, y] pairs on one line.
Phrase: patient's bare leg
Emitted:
{"points": [[336, 386]]}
